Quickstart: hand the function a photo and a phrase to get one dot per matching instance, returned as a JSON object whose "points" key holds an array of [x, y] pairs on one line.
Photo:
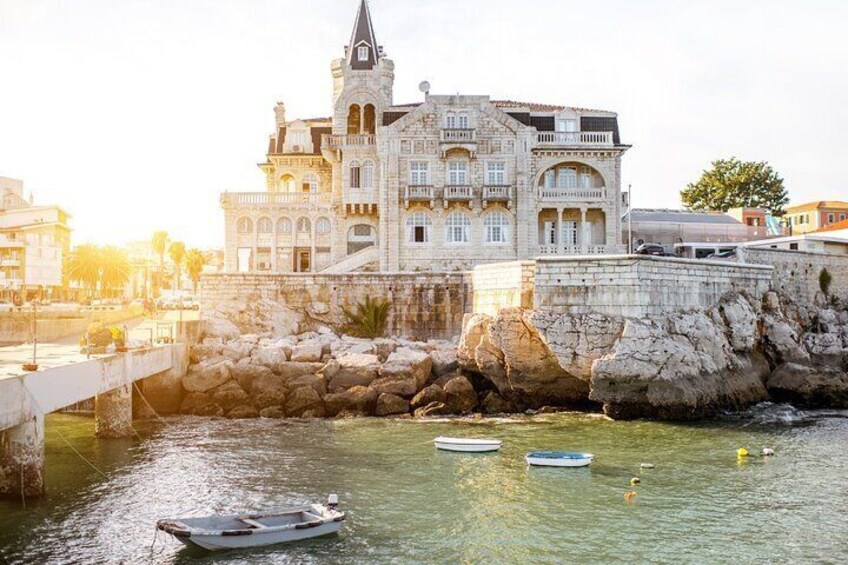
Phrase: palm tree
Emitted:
{"points": [[194, 265], [115, 268], [83, 266], [177, 251], [159, 243]]}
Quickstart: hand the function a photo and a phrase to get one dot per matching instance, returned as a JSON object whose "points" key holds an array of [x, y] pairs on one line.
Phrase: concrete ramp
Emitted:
{"points": [[355, 261]]}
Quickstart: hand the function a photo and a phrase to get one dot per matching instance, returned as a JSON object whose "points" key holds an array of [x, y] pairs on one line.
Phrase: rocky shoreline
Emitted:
{"points": [[683, 366]]}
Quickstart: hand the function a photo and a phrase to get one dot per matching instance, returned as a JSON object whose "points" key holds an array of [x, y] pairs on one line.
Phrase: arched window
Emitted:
{"points": [[245, 225], [264, 225], [369, 119], [457, 228], [304, 225], [418, 227], [323, 225], [286, 183], [284, 226], [367, 174], [310, 183], [497, 228], [355, 174], [353, 119]]}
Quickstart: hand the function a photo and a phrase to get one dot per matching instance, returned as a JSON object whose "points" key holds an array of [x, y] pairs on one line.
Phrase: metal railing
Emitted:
{"points": [[557, 193], [574, 138]]}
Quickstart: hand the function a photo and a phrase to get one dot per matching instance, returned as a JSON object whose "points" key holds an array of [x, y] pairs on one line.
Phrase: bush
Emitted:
{"points": [[825, 279], [98, 335], [368, 319]]}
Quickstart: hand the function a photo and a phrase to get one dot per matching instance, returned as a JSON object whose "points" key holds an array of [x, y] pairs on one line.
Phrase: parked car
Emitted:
{"points": [[6, 306], [651, 249], [724, 255]]}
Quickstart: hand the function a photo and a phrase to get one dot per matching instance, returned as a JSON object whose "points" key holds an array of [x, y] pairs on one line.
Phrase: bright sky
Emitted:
{"points": [[135, 114]]}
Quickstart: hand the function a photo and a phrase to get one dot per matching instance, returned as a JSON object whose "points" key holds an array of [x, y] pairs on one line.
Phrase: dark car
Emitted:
{"points": [[651, 249], [724, 255]]}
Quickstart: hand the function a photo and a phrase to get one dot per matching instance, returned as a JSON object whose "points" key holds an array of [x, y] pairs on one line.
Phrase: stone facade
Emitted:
{"points": [[439, 185]]}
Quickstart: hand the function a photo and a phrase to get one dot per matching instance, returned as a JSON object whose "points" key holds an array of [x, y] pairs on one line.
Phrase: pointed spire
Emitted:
{"points": [[362, 37]]}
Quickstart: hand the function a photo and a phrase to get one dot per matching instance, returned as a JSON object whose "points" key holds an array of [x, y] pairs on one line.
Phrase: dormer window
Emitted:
{"points": [[567, 125], [362, 53]]}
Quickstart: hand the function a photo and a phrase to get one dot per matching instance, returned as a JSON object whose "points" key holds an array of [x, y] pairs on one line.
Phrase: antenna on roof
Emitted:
{"points": [[424, 87]]}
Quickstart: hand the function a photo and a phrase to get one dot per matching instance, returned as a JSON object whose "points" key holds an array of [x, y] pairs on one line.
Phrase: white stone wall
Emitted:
{"points": [[503, 285], [797, 273]]}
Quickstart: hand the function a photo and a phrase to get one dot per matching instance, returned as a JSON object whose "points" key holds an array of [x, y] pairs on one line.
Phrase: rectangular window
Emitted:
{"points": [[355, 177], [450, 121], [567, 125], [569, 233], [567, 177], [457, 173], [419, 234], [550, 232], [368, 176], [793, 246], [419, 173], [362, 53], [550, 179], [842, 217], [496, 173], [831, 218], [585, 180], [463, 121]]}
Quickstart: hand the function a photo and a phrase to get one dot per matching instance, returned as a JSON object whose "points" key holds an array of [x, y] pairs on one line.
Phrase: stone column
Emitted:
{"points": [[113, 413], [22, 459], [584, 236]]}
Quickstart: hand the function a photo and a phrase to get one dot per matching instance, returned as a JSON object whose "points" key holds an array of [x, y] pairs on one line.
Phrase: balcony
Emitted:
{"points": [[592, 249], [458, 192], [348, 140], [572, 194], [10, 262], [233, 199], [360, 200], [574, 139], [459, 136], [419, 193], [497, 193]]}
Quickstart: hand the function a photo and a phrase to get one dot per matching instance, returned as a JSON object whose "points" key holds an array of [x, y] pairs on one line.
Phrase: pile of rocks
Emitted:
{"points": [[321, 374]]}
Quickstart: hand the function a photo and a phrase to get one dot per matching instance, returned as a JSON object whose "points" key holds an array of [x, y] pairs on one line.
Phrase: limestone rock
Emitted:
{"points": [[307, 352], [383, 347], [825, 349], [493, 403], [316, 382], [577, 341], [243, 411], [273, 412], [474, 328], [271, 356], [460, 395], [355, 369], [781, 341], [202, 378], [432, 393], [229, 395], [218, 326], [810, 387], [357, 400], [200, 404], [268, 390], [390, 404], [304, 399], [444, 361], [433, 409], [400, 385], [407, 364], [201, 351], [237, 350], [244, 372], [294, 369], [741, 320]]}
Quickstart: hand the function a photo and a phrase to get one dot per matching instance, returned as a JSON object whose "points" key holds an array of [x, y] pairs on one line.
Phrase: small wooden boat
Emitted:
{"points": [[467, 445], [558, 459], [256, 530]]}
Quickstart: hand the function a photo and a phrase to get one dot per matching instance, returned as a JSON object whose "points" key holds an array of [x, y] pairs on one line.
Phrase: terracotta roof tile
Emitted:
{"points": [[817, 205], [843, 225], [538, 107]]}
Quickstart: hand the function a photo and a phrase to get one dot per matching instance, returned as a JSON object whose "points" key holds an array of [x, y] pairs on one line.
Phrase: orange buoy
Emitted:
{"points": [[628, 496]]}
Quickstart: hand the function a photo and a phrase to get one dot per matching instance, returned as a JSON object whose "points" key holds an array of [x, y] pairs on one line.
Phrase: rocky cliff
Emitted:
{"points": [[681, 366]]}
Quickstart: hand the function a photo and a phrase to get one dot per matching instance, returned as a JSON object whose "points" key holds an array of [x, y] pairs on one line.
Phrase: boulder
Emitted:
{"points": [[268, 390], [780, 341], [474, 328], [390, 404], [244, 372], [428, 395], [302, 400], [218, 326], [383, 348], [235, 351], [203, 378], [200, 351], [460, 395], [357, 400], [406, 363], [271, 356], [809, 387], [741, 321], [825, 349], [293, 369], [493, 403], [307, 352], [400, 386], [433, 409], [229, 395], [317, 382], [273, 412], [355, 369], [243, 411], [200, 404], [444, 361]]}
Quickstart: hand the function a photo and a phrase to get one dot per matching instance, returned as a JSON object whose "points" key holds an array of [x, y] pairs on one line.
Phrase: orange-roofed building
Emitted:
{"points": [[813, 216]]}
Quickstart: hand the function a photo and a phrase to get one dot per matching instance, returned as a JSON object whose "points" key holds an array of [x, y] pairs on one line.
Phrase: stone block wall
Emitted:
{"points": [[503, 285], [797, 273], [423, 305], [638, 286]]}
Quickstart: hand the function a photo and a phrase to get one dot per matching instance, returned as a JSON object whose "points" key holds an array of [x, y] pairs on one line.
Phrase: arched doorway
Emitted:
{"points": [[359, 237]]}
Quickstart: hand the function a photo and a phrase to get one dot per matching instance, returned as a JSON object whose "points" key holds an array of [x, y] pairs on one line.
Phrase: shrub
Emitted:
{"points": [[368, 318], [98, 335], [825, 279]]}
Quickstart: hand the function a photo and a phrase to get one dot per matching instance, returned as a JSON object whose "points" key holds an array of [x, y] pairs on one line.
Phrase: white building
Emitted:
{"points": [[442, 184]]}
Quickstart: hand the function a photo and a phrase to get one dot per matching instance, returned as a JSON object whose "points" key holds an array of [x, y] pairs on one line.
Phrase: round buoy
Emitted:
{"points": [[767, 451], [646, 466], [741, 452], [635, 481], [628, 496]]}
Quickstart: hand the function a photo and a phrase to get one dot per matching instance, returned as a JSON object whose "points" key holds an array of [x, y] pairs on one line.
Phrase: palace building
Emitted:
{"points": [[439, 185]]}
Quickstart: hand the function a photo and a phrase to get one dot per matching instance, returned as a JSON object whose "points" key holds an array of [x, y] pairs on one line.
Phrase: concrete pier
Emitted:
{"points": [[22, 459], [113, 413]]}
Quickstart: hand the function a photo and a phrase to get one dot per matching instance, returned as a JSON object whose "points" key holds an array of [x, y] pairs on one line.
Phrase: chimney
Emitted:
{"points": [[280, 114]]}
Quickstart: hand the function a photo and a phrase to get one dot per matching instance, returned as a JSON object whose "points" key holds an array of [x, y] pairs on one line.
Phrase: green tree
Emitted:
{"points": [[177, 251], [195, 259], [115, 269], [83, 266], [732, 183], [159, 244]]}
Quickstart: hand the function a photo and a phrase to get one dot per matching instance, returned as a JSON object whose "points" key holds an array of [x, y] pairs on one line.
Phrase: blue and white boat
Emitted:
{"points": [[558, 459]]}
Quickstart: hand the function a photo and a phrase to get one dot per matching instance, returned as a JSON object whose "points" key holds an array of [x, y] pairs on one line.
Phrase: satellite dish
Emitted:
{"points": [[424, 87]]}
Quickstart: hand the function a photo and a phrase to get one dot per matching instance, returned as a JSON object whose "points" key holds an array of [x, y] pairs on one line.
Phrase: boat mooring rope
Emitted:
{"points": [[155, 413]]}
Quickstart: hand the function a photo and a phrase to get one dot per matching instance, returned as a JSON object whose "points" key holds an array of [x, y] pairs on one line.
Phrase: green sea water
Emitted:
{"points": [[408, 503]]}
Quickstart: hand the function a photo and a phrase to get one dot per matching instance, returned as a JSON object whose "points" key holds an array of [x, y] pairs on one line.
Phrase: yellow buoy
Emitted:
{"points": [[741, 452], [635, 480]]}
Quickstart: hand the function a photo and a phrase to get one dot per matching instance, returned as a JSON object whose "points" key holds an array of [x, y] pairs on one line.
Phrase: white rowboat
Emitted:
{"points": [[256, 530], [467, 445], [558, 459]]}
